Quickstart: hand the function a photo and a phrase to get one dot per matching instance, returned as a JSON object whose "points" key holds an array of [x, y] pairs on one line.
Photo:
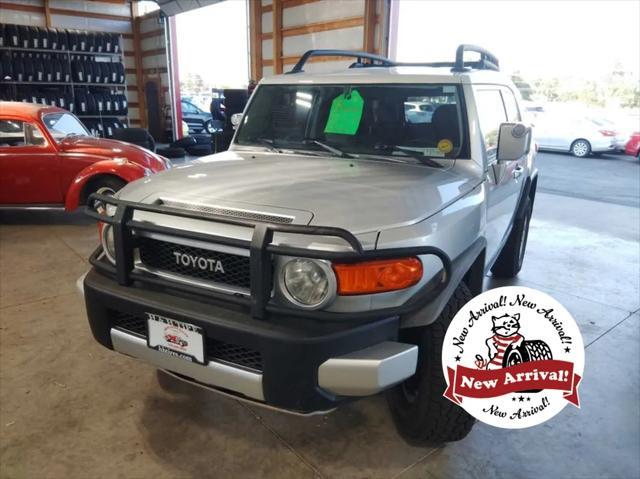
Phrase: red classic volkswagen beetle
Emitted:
{"points": [[48, 158]]}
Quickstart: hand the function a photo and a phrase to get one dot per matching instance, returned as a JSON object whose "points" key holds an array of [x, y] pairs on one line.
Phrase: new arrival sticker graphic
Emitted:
{"points": [[513, 357]]}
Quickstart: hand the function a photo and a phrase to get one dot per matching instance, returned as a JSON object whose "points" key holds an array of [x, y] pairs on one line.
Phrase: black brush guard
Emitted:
{"points": [[261, 249]]}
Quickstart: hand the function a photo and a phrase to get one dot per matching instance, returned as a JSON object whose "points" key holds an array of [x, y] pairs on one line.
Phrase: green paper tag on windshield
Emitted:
{"points": [[345, 114]]}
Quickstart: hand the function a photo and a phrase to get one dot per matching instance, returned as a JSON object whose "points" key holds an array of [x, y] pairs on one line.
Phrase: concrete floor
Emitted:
{"points": [[71, 409]]}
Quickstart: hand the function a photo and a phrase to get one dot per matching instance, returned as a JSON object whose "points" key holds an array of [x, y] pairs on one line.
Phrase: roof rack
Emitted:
{"points": [[488, 61], [360, 56]]}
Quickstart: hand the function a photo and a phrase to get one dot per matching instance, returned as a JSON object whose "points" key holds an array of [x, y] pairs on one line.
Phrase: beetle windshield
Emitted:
{"points": [[410, 121], [63, 125]]}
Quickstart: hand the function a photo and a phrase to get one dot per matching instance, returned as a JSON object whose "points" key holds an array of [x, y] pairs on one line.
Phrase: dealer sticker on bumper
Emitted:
{"points": [[178, 339]]}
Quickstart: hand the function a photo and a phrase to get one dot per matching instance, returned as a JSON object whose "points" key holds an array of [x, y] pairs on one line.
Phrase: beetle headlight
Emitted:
{"points": [[308, 283], [108, 243]]}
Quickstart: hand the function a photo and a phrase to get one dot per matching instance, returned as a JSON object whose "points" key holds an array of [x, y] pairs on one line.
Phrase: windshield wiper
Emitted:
{"points": [[266, 142], [331, 149], [409, 153]]}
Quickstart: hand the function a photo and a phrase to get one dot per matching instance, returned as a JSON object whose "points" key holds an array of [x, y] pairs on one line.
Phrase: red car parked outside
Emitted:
{"points": [[633, 145], [48, 158]]}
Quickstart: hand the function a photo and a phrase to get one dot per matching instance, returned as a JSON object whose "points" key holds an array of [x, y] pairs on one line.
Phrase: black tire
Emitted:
{"points": [[421, 414], [509, 262], [104, 185], [171, 152], [184, 142], [580, 148], [200, 150]]}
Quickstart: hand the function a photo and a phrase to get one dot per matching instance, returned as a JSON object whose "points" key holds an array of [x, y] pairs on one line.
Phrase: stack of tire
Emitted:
{"points": [[194, 145], [103, 128], [48, 64], [22, 36]]}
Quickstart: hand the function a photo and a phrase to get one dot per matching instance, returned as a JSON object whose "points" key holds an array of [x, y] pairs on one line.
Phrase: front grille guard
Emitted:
{"points": [[261, 249]]}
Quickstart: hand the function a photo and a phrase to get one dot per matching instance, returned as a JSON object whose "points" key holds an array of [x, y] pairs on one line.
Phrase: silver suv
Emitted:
{"points": [[323, 256]]}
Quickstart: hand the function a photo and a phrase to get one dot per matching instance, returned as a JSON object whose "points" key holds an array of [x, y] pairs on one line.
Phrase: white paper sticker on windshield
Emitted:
{"points": [[448, 89]]}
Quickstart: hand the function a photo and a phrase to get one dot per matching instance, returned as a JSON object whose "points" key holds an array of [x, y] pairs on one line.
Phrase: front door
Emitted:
{"points": [[503, 179], [29, 169]]}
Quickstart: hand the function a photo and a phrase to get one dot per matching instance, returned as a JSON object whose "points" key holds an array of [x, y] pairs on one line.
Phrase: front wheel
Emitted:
{"points": [[103, 186], [580, 148], [420, 412]]}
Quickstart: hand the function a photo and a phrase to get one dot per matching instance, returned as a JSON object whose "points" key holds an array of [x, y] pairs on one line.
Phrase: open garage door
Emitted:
{"points": [[173, 7]]}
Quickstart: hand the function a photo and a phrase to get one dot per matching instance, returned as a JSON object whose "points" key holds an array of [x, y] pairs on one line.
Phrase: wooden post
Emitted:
{"points": [[137, 53], [256, 39], [369, 25], [277, 36], [47, 14]]}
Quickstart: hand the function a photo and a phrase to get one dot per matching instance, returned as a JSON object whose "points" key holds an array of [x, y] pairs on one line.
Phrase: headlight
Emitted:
{"points": [[308, 283], [108, 243]]}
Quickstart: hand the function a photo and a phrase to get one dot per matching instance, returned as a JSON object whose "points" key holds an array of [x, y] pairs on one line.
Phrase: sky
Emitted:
{"points": [[541, 38], [212, 42]]}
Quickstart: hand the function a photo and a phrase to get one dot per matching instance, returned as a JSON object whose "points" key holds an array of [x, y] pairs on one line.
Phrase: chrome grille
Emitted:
{"points": [[234, 212], [161, 255]]}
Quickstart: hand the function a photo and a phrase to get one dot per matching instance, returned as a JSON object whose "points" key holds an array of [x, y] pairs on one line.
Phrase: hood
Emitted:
{"points": [[112, 149], [358, 195]]}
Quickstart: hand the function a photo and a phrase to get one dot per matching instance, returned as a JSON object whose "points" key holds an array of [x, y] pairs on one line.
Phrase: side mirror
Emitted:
{"points": [[235, 120], [514, 141]]}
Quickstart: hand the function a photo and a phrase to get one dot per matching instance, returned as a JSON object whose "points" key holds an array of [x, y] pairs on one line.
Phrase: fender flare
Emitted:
{"points": [[125, 170], [460, 267]]}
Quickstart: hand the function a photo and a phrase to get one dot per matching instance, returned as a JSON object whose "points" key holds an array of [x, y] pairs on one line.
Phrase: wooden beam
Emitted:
{"points": [[155, 51], [154, 70], [322, 26], [256, 39], [368, 43], [80, 13], [267, 36], [296, 3], [266, 8], [277, 36], [137, 53], [292, 60], [21, 8], [152, 33]]}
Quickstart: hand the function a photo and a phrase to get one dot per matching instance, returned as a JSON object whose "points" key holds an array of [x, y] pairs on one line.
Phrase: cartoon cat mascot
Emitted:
{"points": [[505, 333]]}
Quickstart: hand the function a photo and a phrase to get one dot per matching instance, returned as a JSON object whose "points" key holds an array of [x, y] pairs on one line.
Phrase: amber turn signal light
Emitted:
{"points": [[377, 276]]}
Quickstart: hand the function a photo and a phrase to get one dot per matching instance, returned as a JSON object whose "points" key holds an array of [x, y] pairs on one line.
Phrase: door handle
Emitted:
{"points": [[517, 172]]}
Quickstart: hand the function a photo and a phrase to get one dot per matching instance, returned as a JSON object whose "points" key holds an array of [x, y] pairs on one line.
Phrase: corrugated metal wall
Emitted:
{"points": [[282, 30], [103, 16]]}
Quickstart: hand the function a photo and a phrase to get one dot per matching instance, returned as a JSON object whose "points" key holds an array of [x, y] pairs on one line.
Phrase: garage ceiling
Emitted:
{"points": [[173, 7]]}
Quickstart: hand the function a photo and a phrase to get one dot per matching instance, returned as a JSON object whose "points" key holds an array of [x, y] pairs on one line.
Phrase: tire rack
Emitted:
{"points": [[72, 85]]}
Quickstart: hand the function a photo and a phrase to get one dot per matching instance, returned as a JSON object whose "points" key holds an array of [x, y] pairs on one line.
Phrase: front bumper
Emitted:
{"points": [[306, 365]]}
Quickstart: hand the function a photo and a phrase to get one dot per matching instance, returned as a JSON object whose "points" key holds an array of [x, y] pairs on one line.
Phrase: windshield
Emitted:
{"points": [[63, 125], [417, 121]]}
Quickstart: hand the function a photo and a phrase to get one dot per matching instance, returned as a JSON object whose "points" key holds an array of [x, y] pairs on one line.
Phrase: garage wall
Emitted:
{"points": [[103, 16], [282, 30]]}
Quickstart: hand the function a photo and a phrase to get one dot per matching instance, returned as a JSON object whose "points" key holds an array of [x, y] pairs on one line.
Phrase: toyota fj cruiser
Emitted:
{"points": [[322, 257]]}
